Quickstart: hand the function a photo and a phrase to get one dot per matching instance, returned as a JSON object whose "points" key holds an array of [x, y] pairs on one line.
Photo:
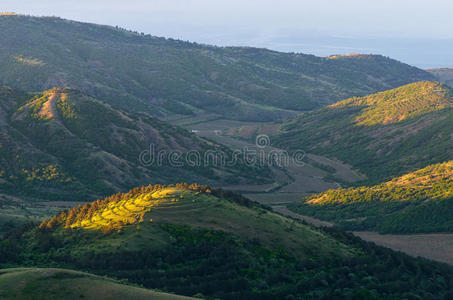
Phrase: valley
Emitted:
{"points": [[143, 167], [296, 182], [293, 181]]}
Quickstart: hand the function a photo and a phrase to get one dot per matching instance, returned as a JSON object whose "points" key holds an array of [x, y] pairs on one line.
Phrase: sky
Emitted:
{"points": [[416, 32]]}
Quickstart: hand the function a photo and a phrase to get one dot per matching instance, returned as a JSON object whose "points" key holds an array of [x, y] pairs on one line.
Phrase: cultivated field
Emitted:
{"points": [[435, 246], [293, 181]]}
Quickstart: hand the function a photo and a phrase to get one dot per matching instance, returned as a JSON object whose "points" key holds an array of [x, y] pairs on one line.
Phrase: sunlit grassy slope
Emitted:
{"points": [[383, 135], [402, 103], [431, 183], [421, 201], [37, 284]]}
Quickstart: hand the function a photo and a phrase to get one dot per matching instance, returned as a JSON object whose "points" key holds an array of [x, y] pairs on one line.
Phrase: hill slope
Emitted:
{"points": [[383, 135], [35, 283], [62, 144], [190, 240], [444, 75], [421, 201], [167, 77]]}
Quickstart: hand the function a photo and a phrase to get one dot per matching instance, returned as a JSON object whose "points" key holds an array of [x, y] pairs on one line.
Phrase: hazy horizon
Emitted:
{"points": [[410, 31]]}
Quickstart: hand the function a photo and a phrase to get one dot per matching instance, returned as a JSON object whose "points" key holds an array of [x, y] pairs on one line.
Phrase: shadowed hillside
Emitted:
{"points": [[62, 144], [167, 77], [444, 75], [36, 283]]}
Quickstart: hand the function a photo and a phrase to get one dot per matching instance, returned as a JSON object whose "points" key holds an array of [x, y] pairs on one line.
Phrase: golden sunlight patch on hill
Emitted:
{"points": [[29, 61], [433, 182], [425, 178], [350, 55], [123, 209], [48, 110], [52, 104], [399, 104], [130, 211]]}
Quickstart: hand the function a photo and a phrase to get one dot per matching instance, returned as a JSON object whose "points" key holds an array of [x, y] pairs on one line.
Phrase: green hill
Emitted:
{"points": [[39, 283], [190, 240], [167, 77], [383, 135], [63, 145], [444, 75], [421, 201]]}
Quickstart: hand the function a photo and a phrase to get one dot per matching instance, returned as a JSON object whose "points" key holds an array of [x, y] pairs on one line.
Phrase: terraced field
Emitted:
{"points": [[129, 211]]}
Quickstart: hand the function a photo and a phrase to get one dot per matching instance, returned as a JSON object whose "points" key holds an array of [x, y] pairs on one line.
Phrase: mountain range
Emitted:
{"points": [[86, 109], [171, 78]]}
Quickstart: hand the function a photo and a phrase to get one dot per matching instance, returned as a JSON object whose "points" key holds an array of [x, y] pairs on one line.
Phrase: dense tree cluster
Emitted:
{"points": [[420, 201], [218, 265]]}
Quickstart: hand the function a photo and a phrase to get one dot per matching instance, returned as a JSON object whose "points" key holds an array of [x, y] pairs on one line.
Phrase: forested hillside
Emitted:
{"points": [[383, 135], [64, 145], [421, 201], [166, 77], [190, 240], [444, 75]]}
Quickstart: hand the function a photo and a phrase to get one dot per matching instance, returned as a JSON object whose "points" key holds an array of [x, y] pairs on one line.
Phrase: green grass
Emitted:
{"points": [[46, 283]]}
